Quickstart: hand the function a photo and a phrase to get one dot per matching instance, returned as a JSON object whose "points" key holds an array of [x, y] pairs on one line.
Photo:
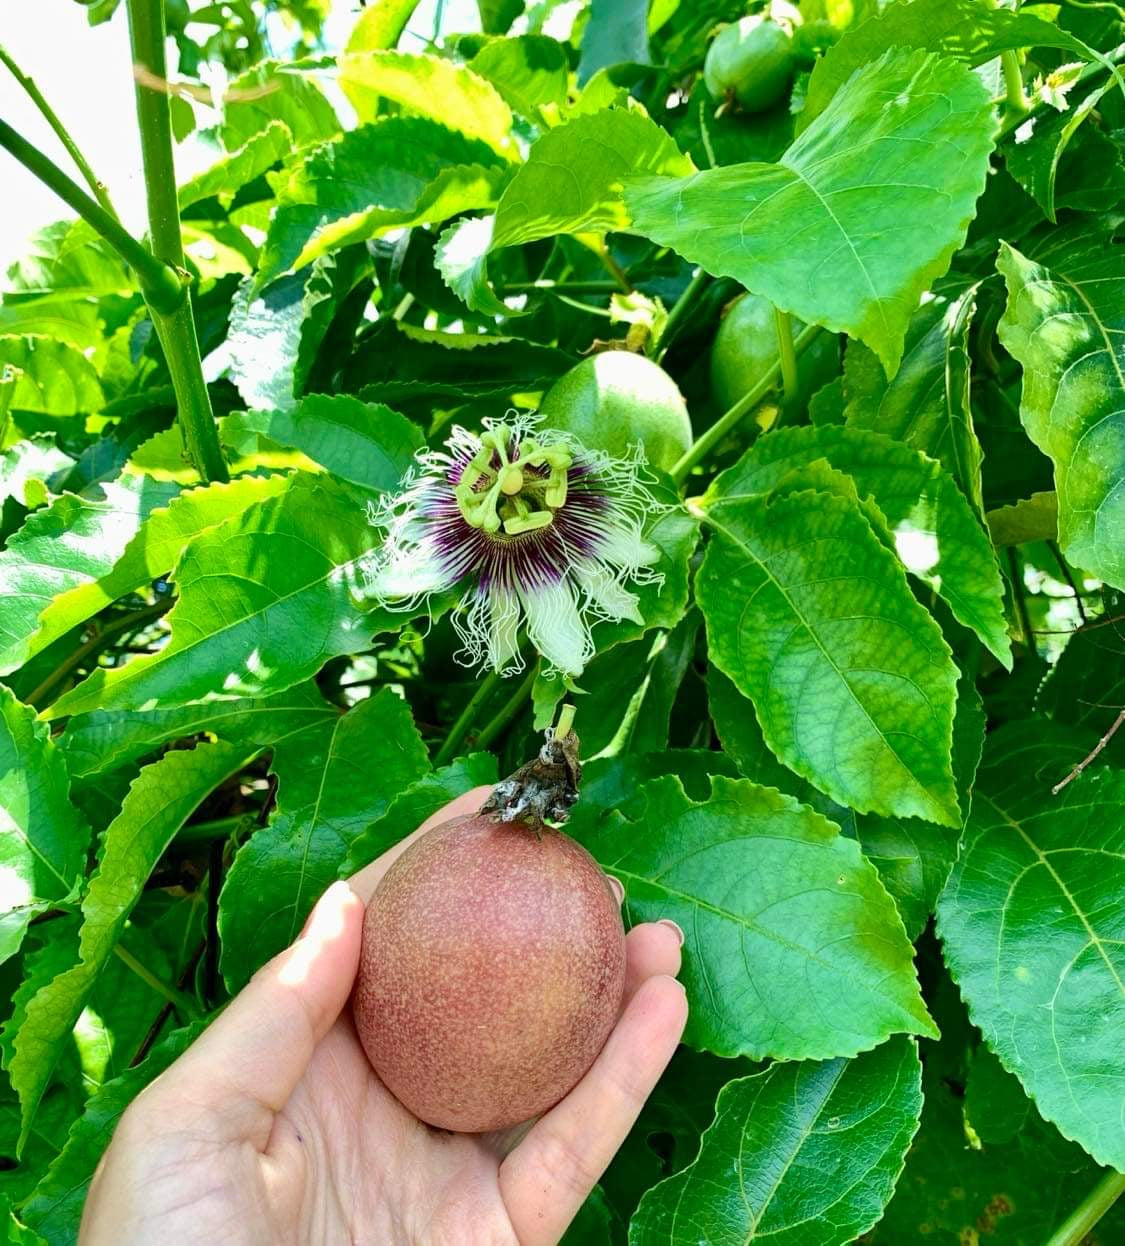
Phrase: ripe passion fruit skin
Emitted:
{"points": [[752, 59], [746, 346], [492, 972], [614, 400]]}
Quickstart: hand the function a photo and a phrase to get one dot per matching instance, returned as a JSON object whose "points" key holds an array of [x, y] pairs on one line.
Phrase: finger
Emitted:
{"points": [[548, 1176], [366, 880], [650, 949], [615, 885], [245, 1066]]}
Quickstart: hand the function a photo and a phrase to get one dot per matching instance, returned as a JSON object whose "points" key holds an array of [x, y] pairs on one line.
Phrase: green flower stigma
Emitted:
{"points": [[513, 495]]}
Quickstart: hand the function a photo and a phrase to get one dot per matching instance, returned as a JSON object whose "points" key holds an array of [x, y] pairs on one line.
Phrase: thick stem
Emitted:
{"points": [[786, 354], [176, 330], [1017, 100], [705, 443], [184, 1003], [160, 283], [50, 116], [465, 719], [682, 306], [1088, 1212]]}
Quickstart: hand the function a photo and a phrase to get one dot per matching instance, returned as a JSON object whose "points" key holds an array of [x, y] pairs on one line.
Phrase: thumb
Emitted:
{"points": [[247, 1063]]}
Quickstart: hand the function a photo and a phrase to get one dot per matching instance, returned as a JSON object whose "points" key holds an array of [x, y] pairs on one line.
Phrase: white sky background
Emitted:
{"points": [[84, 72]]}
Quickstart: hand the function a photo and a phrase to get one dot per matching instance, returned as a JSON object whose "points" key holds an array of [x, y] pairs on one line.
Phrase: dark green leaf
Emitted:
{"points": [[43, 838], [333, 781], [1032, 519], [617, 30], [236, 634], [851, 679], [1086, 686], [793, 948], [965, 29], [399, 172], [936, 534], [815, 1149], [366, 443], [70, 544], [158, 804], [1064, 320], [1030, 933], [55, 1207], [865, 169], [926, 404], [410, 808], [573, 177]]}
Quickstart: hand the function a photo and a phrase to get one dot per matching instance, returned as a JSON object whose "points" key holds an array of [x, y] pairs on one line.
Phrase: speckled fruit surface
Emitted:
{"points": [[492, 972]]}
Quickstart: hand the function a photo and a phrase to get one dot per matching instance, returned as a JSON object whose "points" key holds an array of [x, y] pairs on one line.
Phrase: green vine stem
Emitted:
{"points": [[786, 354], [466, 718], [161, 285], [185, 1005], [9, 379], [682, 306], [507, 711], [51, 117], [706, 442], [1013, 81], [176, 329], [1015, 575], [1088, 1212]]}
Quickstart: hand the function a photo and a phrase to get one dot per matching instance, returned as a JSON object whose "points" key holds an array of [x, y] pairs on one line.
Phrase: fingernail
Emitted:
{"points": [[616, 887], [667, 921]]}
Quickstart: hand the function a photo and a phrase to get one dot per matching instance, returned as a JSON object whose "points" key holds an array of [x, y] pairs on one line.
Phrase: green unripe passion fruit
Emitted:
{"points": [[615, 400], [746, 346], [751, 60]]}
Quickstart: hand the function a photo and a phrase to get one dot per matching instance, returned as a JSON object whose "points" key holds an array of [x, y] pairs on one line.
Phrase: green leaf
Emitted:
{"points": [[67, 260], [55, 1206], [913, 857], [270, 93], [1030, 933], [332, 783], [617, 30], [1031, 519], [1086, 686], [461, 256], [260, 152], [153, 550], [275, 333], [963, 29], [850, 677], [412, 807], [238, 634], [70, 544], [43, 839], [380, 25], [1035, 156], [936, 534], [926, 405], [1064, 320], [428, 86], [54, 378], [800, 1153], [105, 740], [363, 442], [572, 181], [158, 804], [793, 948], [902, 153], [26, 466], [395, 173], [531, 72]]}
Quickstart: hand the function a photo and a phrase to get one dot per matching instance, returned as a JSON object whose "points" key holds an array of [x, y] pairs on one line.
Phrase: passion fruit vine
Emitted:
{"points": [[493, 961]]}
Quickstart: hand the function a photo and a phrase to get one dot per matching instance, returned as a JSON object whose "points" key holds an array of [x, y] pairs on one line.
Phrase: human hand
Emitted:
{"points": [[273, 1127]]}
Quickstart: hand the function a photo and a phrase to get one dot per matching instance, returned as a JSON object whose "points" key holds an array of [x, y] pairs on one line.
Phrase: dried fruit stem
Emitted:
{"points": [[542, 791]]}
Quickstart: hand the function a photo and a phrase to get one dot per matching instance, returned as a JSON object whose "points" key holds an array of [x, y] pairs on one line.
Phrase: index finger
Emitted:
{"points": [[366, 880]]}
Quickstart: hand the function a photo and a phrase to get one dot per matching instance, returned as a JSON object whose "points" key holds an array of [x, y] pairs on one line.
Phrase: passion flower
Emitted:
{"points": [[531, 529]]}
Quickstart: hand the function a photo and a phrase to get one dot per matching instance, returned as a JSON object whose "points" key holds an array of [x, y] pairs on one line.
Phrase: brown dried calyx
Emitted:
{"points": [[541, 792]]}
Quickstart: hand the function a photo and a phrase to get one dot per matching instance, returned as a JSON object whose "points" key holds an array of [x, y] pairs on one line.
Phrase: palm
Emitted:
{"points": [[274, 1129]]}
